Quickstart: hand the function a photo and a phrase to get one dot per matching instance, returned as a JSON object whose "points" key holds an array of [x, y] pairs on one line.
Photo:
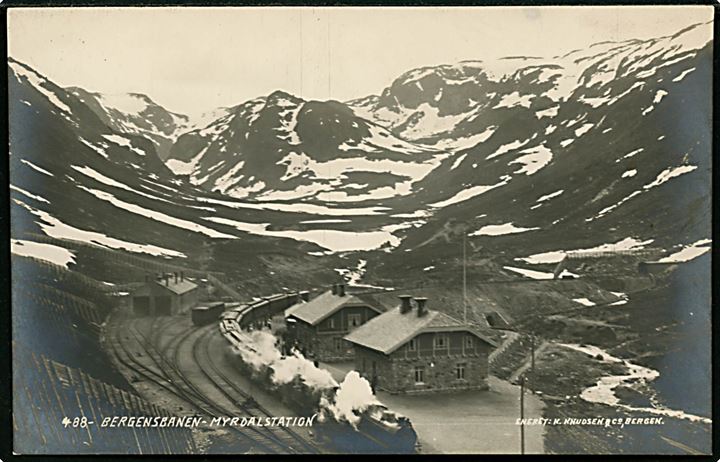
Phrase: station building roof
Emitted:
{"points": [[392, 329], [327, 304]]}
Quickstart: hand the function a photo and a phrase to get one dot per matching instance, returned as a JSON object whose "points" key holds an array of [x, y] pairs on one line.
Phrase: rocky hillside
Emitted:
{"points": [[281, 147], [136, 114]]}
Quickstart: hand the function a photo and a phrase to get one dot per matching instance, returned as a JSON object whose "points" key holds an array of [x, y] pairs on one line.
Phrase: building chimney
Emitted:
{"points": [[421, 309], [334, 289], [406, 303], [176, 276], [182, 275], [341, 289], [167, 279]]}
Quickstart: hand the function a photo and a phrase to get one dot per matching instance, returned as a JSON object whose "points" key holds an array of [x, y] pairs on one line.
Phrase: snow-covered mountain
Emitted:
{"points": [[461, 105], [590, 146], [608, 144], [281, 147], [136, 114]]}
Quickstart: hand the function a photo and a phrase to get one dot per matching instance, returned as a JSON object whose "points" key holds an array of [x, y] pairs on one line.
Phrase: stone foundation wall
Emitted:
{"points": [[397, 374]]}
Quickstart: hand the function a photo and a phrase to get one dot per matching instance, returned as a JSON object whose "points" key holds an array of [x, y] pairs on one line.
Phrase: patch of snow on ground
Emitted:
{"points": [[583, 129], [415, 214], [178, 167], [37, 82], [297, 208], [55, 228], [688, 253], [683, 74], [514, 99], [36, 168], [97, 149], [532, 274], [402, 188], [30, 195], [659, 95], [459, 144], [430, 123], [555, 256], [47, 252], [458, 161], [535, 159], [632, 153], [629, 173], [550, 196], [122, 141], [595, 102], [498, 230], [603, 392], [325, 221], [335, 240], [242, 192], [228, 178], [584, 301], [468, 193], [669, 173], [155, 215], [507, 148], [549, 112], [97, 176]]}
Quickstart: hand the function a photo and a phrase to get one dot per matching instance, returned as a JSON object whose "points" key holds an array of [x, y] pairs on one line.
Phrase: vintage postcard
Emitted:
{"points": [[307, 230]]}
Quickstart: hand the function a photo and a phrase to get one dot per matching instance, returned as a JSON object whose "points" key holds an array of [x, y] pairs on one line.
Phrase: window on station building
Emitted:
{"points": [[468, 342], [338, 344], [412, 345], [419, 374], [460, 371], [441, 341], [354, 320], [331, 323]]}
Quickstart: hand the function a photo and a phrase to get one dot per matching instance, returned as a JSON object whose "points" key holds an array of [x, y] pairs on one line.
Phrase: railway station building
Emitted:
{"points": [[165, 295], [411, 349], [317, 327]]}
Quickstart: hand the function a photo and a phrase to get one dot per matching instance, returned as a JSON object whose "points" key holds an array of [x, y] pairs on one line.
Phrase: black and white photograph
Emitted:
{"points": [[360, 230]]}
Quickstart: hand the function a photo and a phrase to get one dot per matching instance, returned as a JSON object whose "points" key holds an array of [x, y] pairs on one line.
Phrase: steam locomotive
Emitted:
{"points": [[378, 430]]}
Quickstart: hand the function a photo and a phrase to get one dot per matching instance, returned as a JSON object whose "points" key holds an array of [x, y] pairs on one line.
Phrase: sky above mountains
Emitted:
{"points": [[191, 60]]}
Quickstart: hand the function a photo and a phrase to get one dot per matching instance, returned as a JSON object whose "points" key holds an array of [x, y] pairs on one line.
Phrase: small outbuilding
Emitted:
{"points": [[165, 295], [414, 349], [317, 327]]}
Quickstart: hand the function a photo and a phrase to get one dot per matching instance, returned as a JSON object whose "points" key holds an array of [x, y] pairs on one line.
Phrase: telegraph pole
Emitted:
{"points": [[464, 279], [522, 415]]}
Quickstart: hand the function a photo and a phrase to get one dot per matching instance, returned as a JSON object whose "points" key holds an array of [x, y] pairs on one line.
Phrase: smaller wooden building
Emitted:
{"points": [[414, 349], [165, 295], [317, 327]]}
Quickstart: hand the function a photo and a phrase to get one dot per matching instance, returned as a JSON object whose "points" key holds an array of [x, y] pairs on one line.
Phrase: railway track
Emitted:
{"points": [[166, 374], [241, 398], [127, 358]]}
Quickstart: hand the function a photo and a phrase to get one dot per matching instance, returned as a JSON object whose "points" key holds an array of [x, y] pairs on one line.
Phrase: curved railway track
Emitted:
{"points": [[241, 398], [167, 375]]}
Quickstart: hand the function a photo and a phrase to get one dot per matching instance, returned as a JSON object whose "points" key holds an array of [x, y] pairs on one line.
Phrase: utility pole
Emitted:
{"points": [[532, 353], [522, 415], [464, 279]]}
